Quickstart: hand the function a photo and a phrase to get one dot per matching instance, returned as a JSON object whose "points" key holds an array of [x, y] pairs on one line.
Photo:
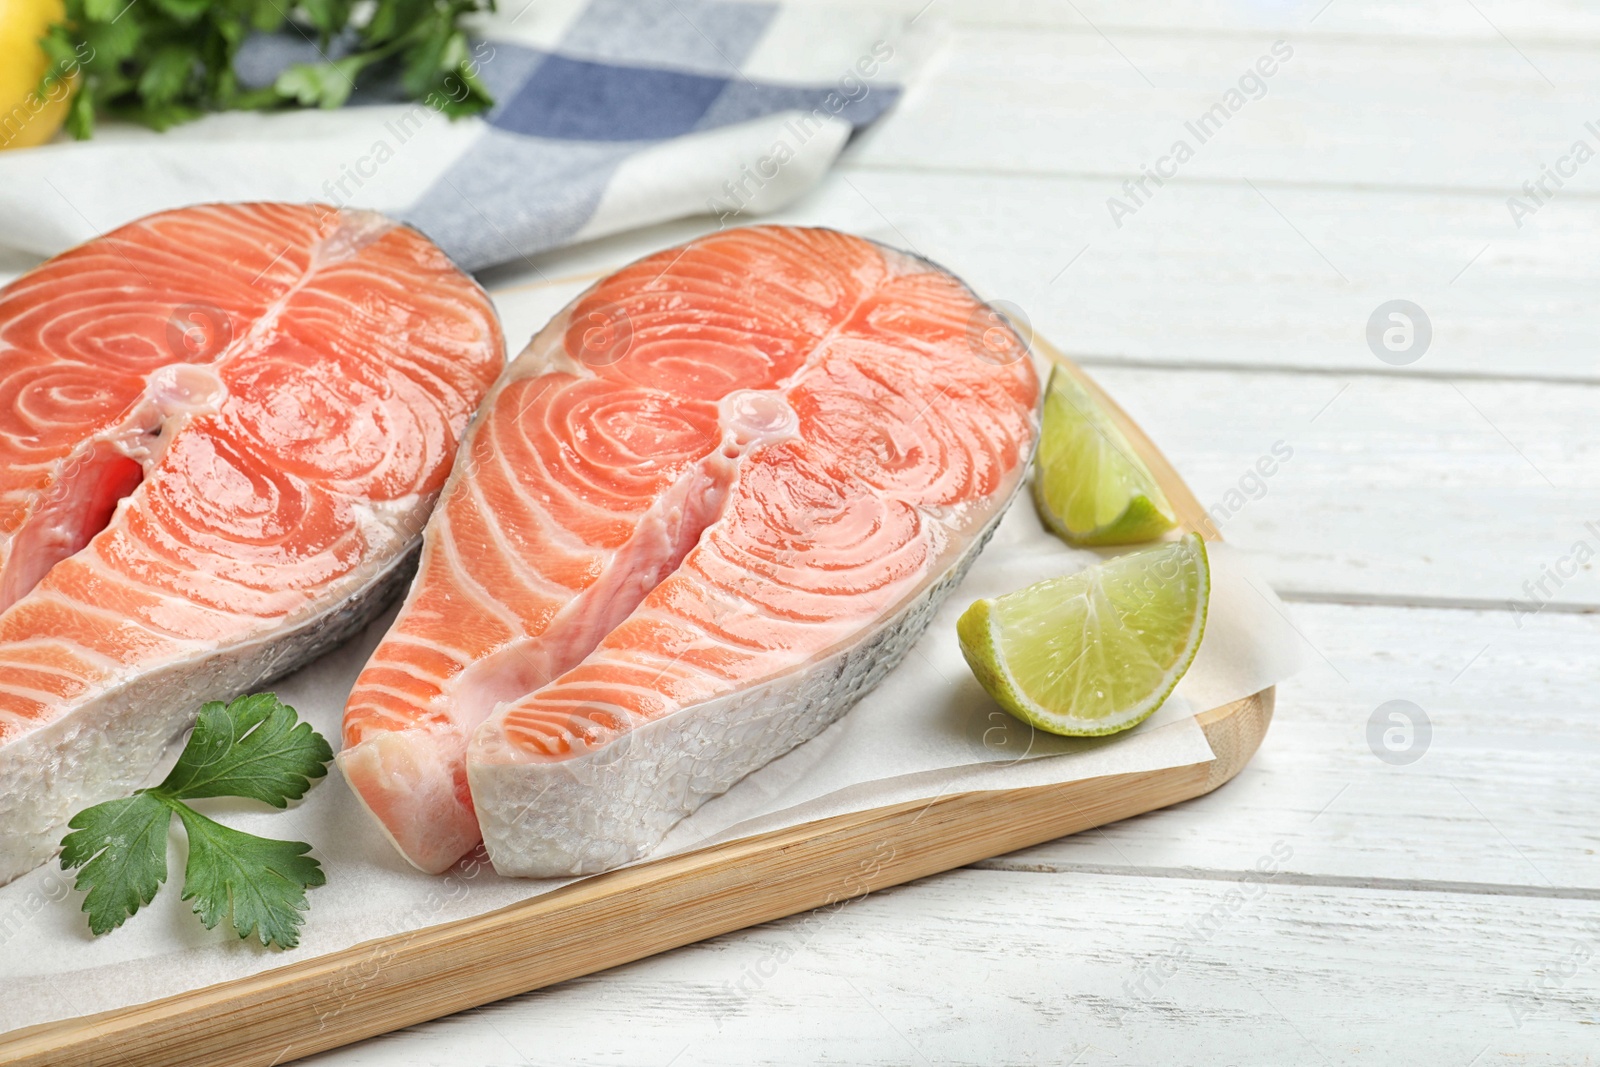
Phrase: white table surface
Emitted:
{"points": [[1441, 912]]}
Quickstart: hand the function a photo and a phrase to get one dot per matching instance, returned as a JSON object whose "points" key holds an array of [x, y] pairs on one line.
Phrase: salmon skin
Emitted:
{"points": [[221, 431], [713, 502]]}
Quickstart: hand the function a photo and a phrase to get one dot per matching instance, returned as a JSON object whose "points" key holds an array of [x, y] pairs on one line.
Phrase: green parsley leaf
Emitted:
{"points": [[122, 847], [328, 17], [256, 883], [162, 62], [325, 85], [254, 747], [167, 74]]}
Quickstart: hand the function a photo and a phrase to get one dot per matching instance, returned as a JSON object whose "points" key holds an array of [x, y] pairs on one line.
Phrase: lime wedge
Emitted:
{"points": [[1091, 487], [1094, 652]]}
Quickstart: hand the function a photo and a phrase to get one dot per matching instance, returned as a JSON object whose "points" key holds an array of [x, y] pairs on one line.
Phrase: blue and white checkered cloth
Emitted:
{"points": [[609, 114]]}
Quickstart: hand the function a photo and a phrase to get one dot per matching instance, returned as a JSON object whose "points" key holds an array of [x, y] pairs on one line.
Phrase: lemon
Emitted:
{"points": [[1091, 487], [25, 119], [1094, 652]]}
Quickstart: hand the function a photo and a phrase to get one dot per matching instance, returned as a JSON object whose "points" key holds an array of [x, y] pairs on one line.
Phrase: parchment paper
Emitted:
{"points": [[928, 729]]}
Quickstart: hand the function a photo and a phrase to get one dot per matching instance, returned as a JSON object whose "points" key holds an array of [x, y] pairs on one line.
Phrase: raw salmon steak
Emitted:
{"points": [[710, 506], [221, 431]]}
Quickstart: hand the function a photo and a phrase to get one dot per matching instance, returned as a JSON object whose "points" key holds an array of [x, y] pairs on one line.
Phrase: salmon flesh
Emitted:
{"points": [[221, 431], [710, 506]]}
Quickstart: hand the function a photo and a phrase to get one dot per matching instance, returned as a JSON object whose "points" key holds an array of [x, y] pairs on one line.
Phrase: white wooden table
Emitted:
{"points": [[1442, 911]]}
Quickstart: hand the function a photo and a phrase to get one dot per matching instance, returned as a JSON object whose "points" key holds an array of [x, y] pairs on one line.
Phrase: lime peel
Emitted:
{"points": [[1095, 652]]}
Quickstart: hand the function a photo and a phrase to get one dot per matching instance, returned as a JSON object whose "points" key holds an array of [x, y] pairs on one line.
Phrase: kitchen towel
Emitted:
{"points": [[609, 114]]}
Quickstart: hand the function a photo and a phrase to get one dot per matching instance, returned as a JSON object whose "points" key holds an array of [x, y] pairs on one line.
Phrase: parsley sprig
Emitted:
{"points": [[163, 62], [255, 748]]}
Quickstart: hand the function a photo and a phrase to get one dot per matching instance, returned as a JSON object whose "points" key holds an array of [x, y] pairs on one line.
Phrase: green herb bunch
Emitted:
{"points": [[163, 62]]}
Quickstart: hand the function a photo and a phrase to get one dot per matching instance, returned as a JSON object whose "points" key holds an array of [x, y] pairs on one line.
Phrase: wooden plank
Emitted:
{"points": [[600, 922], [1215, 273], [1209, 273], [1544, 21], [1494, 804], [981, 968], [1332, 111], [1398, 490]]}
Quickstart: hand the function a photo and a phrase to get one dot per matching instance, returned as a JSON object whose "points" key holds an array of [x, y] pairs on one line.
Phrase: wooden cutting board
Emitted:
{"points": [[320, 1003]]}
